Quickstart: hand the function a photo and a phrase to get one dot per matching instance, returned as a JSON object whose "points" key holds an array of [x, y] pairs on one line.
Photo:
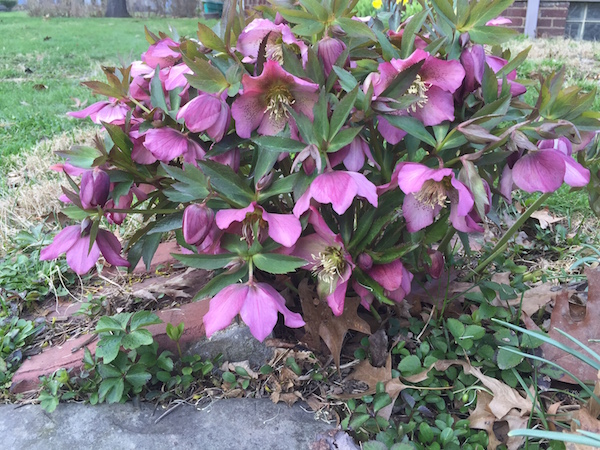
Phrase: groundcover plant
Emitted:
{"points": [[306, 143]]}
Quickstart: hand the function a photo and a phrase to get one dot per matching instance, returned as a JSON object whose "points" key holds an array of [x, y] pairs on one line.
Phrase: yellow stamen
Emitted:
{"points": [[330, 265], [419, 89], [278, 99], [433, 193]]}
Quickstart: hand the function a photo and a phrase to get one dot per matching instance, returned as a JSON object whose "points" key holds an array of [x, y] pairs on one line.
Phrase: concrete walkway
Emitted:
{"points": [[240, 424]]}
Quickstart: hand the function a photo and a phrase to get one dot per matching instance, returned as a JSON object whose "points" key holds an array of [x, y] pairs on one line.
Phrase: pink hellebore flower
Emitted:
{"points": [[208, 113], [328, 260], [166, 144], [496, 63], [249, 40], [500, 20], [76, 244], [264, 101], [353, 155], [285, 229], [257, 304], [94, 188], [434, 86], [338, 188], [161, 54], [393, 278], [197, 222], [329, 50], [545, 170], [111, 111], [176, 77], [427, 191]]}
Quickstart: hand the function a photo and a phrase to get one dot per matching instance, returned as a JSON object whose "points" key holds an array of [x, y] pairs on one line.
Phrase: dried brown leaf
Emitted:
{"points": [[586, 331], [482, 418], [583, 420], [545, 218]]}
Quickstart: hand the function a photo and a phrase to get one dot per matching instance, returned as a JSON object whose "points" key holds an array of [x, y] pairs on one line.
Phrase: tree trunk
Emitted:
{"points": [[117, 8]]}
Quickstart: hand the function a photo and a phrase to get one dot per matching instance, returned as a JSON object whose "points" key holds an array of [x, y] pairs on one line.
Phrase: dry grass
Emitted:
{"points": [[31, 189]]}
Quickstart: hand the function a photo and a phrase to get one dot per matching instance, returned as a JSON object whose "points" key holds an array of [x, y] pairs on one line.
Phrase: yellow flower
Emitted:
{"points": [[404, 2], [377, 4]]}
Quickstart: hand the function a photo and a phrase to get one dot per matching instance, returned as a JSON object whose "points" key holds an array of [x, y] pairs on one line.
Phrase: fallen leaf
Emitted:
{"points": [[545, 218], [320, 321], [482, 418], [537, 297], [334, 440], [505, 397], [586, 331], [378, 347], [583, 420]]}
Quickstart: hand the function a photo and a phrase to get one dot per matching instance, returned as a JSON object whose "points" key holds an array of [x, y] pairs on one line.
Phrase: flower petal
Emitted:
{"points": [[259, 312], [291, 319], [417, 215], [336, 188], [79, 256], [224, 307], [248, 111], [284, 229], [539, 171], [166, 143], [225, 217], [110, 247], [62, 242]]}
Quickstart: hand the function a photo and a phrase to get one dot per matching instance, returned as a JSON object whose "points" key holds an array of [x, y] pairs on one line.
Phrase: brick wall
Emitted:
{"points": [[552, 17]]}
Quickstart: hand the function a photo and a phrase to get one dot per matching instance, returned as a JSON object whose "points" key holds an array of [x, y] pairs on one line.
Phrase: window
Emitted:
{"points": [[583, 21]]}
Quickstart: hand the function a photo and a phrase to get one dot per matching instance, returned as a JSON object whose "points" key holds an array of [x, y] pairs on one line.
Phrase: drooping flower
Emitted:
{"points": [[328, 260], [473, 60], [250, 39], [161, 54], [393, 277], [166, 144], [197, 222], [285, 229], [112, 111], [94, 188], [256, 303], [264, 101], [353, 155], [546, 169], [75, 242], [496, 63], [338, 188], [427, 192], [329, 50], [208, 113], [433, 87]]}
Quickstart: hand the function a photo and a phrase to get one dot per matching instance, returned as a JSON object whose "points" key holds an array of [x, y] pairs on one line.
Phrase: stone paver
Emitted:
{"points": [[241, 424]]}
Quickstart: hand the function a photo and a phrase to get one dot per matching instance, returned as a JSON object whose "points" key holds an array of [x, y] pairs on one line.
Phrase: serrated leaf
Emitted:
{"points": [[410, 32], [206, 262], [157, 96], [276, 263], [225, 181], [279, 144], [280, 186], [80, 156], [107, 323], [209, 39], [136, 339], [355, 28], [341, 112], [206, 78], [143, 319], [138, 375], [491, 35], [111, 390], [108, 348], [456, 328], [343, 138]]}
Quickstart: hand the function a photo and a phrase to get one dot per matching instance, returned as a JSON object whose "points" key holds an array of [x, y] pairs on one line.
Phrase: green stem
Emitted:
{"points": [[446, 240], [146, 110], [502, 243], [142, 211]]}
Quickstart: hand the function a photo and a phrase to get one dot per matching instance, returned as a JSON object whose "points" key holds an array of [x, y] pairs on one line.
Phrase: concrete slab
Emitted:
{"points": [[243, 424]]}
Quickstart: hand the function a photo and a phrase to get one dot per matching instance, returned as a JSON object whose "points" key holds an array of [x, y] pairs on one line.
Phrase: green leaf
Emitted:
{"points": [[308, 28], [347, 80], [138, 375], [491, 35], [475, 332], [225, 181], [168, 223], [209, 39], [119, 138], [410, 364], [343, 138], [108, 371], [144, 248], [217, 283], [456, 328], [387, 48], [279, 186], [136, 339], [381, 401], [265, 160], [410, 32], [279, 144], [157, 96], [191, 184], [507, 359], [321, 118], [315, 8], [484, 10], [305, 126], [355, 28], [206, 78], [108, 348], [276, 263], [206, 262], [107, 323], [506, 337], [413, 127], [291, 63], [111, 390], [402, 81], [80, 156], [341, 112], [143, 319], [314, 67]]}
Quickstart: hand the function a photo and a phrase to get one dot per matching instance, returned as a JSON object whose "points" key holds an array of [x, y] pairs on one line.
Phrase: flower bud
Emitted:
{"points": [[95, 186], [365, 262], [437, 264], [329, 51], [197, 221]]}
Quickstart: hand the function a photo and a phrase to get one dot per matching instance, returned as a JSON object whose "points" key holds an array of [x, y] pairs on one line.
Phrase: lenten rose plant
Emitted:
{"points": [[304, 143]]}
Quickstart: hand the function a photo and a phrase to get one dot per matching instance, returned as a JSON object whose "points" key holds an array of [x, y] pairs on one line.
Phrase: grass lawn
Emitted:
{"points": [[42, 66]]}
